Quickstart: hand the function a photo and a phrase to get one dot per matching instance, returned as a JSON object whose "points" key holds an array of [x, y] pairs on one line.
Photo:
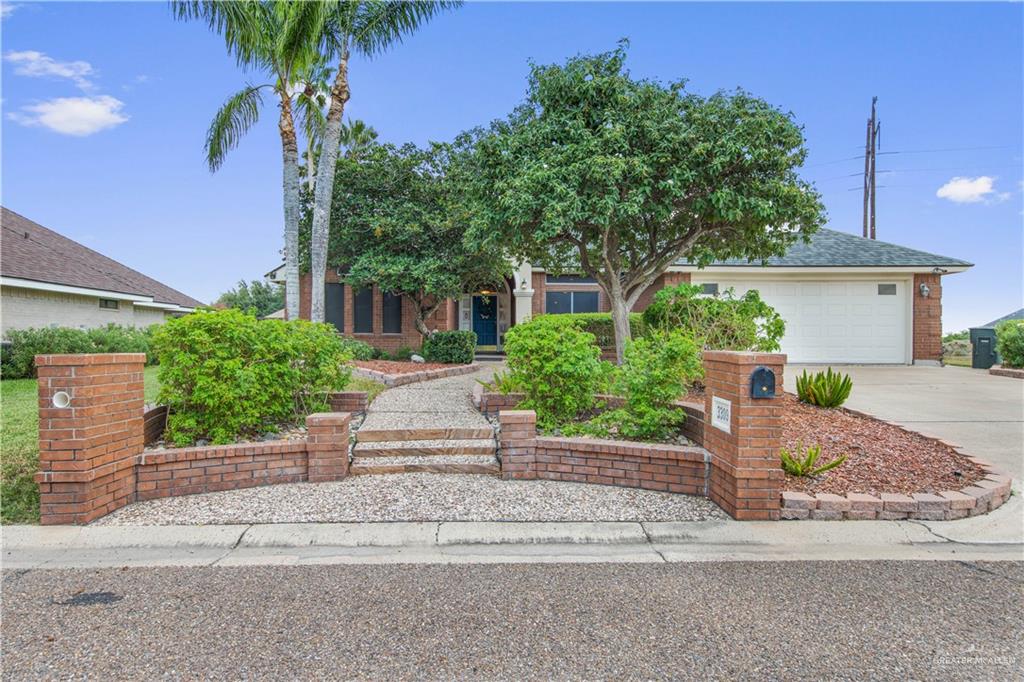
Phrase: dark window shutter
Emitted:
{"points": [[392, 313], [363, 310], [334, 305], [556, 302]]}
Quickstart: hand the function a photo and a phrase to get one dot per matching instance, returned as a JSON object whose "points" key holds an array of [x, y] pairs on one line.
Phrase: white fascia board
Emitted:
{"points": [[170, 307], [769, 271], [67, 289]]}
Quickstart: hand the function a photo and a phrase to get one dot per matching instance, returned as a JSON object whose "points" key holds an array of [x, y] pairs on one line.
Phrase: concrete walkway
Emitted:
{"points": [[993, 537], [981, 413]]}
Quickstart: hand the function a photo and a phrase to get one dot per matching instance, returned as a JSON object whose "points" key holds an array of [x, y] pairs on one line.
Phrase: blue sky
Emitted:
{"points": [[105, 107]]}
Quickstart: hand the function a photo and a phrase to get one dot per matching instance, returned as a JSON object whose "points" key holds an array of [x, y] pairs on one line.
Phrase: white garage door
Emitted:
{"points": [[836, 321]]}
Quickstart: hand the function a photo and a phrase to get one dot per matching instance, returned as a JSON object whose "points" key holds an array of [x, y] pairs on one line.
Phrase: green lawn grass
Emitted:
{"points": [[957, 360], [19, 444]]}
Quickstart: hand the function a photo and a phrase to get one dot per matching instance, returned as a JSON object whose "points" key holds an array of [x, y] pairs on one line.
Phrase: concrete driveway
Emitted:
{"points": [[981, 413]]}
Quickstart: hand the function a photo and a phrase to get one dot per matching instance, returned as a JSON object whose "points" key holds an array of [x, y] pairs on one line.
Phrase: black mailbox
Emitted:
{"points": [[762, 383]]}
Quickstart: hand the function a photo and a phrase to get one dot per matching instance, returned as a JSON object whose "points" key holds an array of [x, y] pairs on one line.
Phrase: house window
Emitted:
{"points": [[109, 304], [570, 279], [886, 289], [392, 313], [363, 322], [557, 302], [710, 289], [334, 305]]}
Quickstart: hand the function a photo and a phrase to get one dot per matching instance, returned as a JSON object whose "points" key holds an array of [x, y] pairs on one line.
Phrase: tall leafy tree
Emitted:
{"points": [[397, 221], [347, 27], [356, 138], [619, 178], [277, 39], [262, 298]]}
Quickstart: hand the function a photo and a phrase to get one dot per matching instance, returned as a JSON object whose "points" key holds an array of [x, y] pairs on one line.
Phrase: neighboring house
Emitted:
{"points": [[845, 299], [48, 280], [1015, 315]]}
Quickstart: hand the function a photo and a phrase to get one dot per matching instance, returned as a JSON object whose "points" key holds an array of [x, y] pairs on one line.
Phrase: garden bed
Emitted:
{"points": [[398, 366], [395, 373]]}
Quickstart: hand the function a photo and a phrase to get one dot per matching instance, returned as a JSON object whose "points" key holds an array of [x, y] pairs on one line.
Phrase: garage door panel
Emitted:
{"points": [[835, 321]]}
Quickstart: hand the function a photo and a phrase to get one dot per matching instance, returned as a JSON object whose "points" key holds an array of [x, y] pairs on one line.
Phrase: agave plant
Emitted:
{"points": [[802, 462], [824, 389]]}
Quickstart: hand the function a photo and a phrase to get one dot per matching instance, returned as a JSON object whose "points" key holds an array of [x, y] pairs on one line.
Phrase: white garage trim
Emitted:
{"points": [[842, 329]]}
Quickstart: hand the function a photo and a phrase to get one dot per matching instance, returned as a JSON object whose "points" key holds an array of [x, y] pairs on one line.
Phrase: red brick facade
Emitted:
{"points": [[91, 432], [927, 318]]}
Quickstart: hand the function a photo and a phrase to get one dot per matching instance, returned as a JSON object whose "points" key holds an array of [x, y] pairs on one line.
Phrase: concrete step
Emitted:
{"points": [[421, 433], [436, 464], [424, 448]]}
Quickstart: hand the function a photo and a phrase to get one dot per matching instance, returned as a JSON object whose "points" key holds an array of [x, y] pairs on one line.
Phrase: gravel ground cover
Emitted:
{"points": [[881, 457], [418, 497], [860, 620], [398, 367]]}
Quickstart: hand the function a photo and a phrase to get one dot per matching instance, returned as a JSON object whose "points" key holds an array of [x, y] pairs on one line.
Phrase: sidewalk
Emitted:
{"points": [[994, 537]]}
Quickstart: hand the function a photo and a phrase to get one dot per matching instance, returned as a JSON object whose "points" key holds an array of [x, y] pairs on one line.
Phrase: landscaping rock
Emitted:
{"points": [[419, 359]]}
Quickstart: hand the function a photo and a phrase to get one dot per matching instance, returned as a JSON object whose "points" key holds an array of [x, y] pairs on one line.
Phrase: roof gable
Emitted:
{"points": [[831, 248], [31, 251]]}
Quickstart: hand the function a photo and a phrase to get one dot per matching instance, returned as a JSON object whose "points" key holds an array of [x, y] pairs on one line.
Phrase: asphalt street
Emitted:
{"points": [[734, 620]]}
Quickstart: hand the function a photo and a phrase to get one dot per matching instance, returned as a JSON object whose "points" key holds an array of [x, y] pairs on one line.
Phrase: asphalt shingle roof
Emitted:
{"points": [[31, 251], [1015, 315], [830, 248]]}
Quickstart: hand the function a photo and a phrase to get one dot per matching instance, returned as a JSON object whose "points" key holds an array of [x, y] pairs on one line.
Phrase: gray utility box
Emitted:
{"points": [[983, 348]]}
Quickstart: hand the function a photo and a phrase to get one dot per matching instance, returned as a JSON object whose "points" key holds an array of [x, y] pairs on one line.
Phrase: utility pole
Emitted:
{"points": [[870, 147]]}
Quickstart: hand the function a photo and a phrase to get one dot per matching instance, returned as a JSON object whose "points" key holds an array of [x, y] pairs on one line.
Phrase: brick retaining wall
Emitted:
{"points": [[154, 423], [91, 455], [392, 380]]}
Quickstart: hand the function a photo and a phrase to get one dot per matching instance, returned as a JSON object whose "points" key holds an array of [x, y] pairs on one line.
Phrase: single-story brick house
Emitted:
{"points": [[48, 280], [845, 299]]}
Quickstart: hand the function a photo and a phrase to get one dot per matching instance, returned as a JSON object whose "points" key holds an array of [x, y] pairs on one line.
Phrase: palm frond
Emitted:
{"points": [[231, 123], [378, 25]]}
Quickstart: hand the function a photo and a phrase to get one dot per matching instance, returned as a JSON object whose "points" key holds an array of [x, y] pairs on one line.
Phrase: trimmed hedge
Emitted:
{"points": [[225, 375], [455, 347], [1010, 342], [18, 360]]}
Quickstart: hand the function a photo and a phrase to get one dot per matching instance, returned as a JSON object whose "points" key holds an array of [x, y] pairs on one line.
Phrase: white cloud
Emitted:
{"points": [[78, 116], [7, 9], [38, 65], [963, 190]]}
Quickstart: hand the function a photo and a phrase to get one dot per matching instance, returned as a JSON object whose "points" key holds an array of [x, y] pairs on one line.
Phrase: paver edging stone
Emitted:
{"points": [[1000, 371], [982, 497], [392, 380]]}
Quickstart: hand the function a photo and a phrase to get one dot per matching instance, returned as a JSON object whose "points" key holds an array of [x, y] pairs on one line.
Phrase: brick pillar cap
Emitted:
{"points": [[743, 357], [90, 359], [328, 418]]}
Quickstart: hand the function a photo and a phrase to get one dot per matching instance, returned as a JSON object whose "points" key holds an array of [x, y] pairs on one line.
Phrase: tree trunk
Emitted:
{"points": [[324, 190], [620, 321], [424, 311], [290, 152]]}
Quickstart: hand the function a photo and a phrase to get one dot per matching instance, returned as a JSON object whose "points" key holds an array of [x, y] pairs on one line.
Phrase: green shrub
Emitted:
{"points": [[801, 463], [18, 361], [502, 382], [824, 389], [558, 366], [657, 370], [1010, 342], [964, 335], [598, 324], [721, 322], [359, 350], [455, 347], [224, 374]]}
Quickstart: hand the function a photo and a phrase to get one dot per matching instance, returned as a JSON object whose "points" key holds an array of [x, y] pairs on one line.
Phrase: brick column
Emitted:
{"points": [[90, 432], [746, 476], [927, 345], [327, 446], [518, 441]]}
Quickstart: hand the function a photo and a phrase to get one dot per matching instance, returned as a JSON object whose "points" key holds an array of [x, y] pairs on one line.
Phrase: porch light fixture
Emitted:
{"points": [[486, 292], [925, 290]]}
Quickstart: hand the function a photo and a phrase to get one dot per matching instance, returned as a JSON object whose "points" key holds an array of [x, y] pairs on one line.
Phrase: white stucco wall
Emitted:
{"points": [[23, 308]]}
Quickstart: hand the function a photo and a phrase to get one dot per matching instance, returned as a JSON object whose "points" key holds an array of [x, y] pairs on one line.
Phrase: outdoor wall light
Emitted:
{"points": [[925, 291], [61, 399]]}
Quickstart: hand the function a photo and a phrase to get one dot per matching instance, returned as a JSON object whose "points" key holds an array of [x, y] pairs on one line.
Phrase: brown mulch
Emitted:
{"points": [[881, 457], [398, 367]]}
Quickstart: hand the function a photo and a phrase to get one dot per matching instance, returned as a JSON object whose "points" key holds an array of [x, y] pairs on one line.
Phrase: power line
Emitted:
{"points": [[911, 151]]}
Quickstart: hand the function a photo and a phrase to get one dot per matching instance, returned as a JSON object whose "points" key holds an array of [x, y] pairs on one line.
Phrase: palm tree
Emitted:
{"points": [[367, 28], [356, 138], [268, 35]]}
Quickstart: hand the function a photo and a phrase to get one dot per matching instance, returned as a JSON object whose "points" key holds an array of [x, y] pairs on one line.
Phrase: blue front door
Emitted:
{"points": [[485, 320]]}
